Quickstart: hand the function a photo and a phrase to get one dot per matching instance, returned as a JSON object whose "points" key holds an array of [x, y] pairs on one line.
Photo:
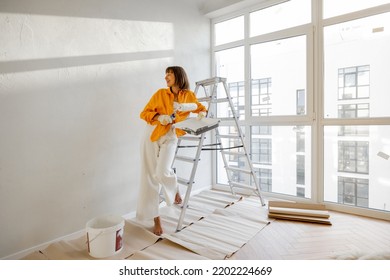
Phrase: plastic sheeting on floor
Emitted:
{"points": [[216, 225]]}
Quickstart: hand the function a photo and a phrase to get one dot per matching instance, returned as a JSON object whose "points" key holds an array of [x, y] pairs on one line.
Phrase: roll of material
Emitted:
{"points": [[185, 107]]}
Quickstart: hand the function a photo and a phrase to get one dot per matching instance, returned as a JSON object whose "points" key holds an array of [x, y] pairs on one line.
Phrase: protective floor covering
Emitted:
{"points": [[222, 233], [216, 225]]}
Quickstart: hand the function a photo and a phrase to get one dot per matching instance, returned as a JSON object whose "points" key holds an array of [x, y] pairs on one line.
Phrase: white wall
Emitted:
{"points": [[74, 76]]}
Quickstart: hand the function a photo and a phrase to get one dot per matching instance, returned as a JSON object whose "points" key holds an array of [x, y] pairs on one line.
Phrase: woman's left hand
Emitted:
{"points": [[201, 115]]}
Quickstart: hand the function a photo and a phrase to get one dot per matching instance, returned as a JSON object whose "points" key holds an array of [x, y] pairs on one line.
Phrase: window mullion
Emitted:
{"points": [[247, 76]]}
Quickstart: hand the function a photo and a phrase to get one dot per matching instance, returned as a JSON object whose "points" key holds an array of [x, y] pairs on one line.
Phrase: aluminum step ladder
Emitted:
{"points": [[240, 174]]}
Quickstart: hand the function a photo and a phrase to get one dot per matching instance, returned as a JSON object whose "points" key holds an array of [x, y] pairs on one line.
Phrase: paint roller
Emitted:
{"points": [[184, 107]]}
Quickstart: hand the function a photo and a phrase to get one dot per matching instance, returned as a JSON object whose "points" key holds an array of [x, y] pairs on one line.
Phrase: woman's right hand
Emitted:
{"points": [[164, 119]]}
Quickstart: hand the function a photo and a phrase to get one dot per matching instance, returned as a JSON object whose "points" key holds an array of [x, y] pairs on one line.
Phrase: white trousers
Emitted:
{"points": [[156, 173]]}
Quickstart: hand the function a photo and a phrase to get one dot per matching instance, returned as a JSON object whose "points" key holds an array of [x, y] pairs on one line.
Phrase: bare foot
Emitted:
{"points": [[178, 199], [157, 226]]}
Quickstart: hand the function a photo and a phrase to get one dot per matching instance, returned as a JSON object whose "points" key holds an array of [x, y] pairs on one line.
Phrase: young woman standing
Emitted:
{"points": [[165, 108]]}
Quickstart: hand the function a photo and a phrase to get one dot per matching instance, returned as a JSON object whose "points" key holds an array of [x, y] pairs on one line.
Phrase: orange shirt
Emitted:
{"points": [[162, 103]]}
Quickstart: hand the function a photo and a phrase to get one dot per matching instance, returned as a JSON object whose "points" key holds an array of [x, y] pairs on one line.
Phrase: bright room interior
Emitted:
{"points": [[310, 89]]}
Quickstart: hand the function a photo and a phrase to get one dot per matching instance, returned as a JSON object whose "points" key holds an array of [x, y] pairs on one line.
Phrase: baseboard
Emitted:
{"points": [[21, 254]]}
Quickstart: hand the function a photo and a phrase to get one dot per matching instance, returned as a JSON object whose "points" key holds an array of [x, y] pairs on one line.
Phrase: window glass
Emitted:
{"points": [[261, 90], [269, 78], [356, 166], [278, 81], [355, 75], [338, 7], [230, 65], [300, 192], [234, 155], [280, 163], [281, 156], [285, 15], [229, 31]]}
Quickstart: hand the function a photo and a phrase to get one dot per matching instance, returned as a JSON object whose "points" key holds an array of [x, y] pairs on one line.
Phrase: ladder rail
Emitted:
{"points": [[190, 183], [249, 161], [210, 87], [195, 163]]}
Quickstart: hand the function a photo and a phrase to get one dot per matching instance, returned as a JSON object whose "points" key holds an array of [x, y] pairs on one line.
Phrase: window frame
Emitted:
{"points": [[314, 116]]}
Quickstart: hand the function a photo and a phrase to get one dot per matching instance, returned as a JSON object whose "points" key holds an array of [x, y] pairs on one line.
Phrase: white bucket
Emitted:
{"points": [[104, 236]]}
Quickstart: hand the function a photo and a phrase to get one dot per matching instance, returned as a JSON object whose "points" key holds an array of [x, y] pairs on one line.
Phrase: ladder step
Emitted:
{"points": [[243, 186], [226, 119], [190, 138], [229, 136], [247, 171], [205, 99], [184, 158], [220, 100], [211, 81], [230, 153], [182, 181], [213, 100]]}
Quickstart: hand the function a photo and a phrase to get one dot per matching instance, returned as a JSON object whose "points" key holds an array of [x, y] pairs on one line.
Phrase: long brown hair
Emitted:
{"points": [[181, 78]]}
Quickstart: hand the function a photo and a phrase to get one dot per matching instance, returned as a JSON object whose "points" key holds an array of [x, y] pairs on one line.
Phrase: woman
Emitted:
{"points": [[165, 108]]}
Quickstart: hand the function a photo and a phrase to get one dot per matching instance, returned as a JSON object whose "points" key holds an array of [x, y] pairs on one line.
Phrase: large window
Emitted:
{"points": [[355, 94], [356, 165], [229, 30], [282, 62], [355, 68], [334, 8], [279, 17], [326, 73], [268, 78], [230, 63]]}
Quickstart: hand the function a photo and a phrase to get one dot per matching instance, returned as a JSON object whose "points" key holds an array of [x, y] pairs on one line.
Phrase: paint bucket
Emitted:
{"points": [[104, 236]]}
